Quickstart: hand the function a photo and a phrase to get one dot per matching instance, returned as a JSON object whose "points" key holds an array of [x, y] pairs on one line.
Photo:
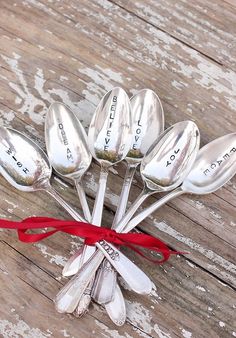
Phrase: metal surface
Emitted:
{"points": [[66, 143], [147, 124], [215, 165]]}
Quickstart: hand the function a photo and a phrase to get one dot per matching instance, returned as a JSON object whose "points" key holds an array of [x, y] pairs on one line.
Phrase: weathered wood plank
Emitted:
{"points": [[207, 27], [74, 52]]}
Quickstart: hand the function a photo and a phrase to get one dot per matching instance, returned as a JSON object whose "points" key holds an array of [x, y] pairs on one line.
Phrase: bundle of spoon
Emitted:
{"points": [[121, 129]]}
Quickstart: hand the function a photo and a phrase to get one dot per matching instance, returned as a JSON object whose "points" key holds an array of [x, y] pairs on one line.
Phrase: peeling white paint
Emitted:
{"points": [[57, 259], [179, 84], [141, 317], [186, 334], [108, 333], [66, 334], [28, 102], [11, 203], [20, 329], [56, 178], [102, 80], [41, 47], [221, 324], [199, 205], [190, 264], [200, 288]]}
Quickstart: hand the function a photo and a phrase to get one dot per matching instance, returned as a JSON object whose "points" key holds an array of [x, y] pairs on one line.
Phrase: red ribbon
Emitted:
{"points": [[89, 232]]}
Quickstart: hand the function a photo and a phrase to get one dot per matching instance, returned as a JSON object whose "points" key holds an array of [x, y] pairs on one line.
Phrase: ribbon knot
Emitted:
{"points": [[111, 236]]}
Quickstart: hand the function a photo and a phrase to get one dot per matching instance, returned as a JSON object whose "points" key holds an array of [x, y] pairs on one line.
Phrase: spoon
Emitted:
{"points": [[148, 124], [164, 167], [109, 138], [66, 143], [215, 165], [109, 134], [25, 166]]}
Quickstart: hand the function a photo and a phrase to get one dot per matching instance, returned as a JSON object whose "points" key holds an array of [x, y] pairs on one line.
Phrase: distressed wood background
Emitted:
{"points": [[74, 51]]}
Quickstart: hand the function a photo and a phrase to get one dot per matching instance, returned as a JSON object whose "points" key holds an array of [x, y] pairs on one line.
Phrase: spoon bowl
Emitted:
{"points": [[147, 125], [109, 134], [66, 142], [171, 157], [214, 166], [22, 163]]}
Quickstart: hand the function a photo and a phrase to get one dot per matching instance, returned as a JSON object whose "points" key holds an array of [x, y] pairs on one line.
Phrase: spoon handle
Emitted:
{"points": [[123, 200], [136, 204], [89, 250], [83, 199], [105, 282], [51, 191], [116, 308], [99, 201], [97, 213], [153, 207]]}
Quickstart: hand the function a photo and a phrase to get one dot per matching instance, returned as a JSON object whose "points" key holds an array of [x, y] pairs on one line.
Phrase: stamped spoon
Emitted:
{"points": [[215, 165], [66, 143], [26, 167], [109, 139], [148, 123]]}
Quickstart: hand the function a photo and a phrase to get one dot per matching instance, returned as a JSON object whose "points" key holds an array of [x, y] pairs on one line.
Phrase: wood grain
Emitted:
{"points": [[74, 52]]}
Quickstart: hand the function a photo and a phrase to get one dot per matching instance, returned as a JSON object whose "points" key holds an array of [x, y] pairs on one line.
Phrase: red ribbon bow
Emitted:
{"points": [[89, 232]]}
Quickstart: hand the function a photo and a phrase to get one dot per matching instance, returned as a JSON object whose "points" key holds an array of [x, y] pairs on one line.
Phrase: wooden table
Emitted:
{"points": [[74, 51]]}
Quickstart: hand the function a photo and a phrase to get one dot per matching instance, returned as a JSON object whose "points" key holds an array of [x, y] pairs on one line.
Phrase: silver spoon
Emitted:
{"points": [[66, 143], [109, 133], [148, 124], [215, 165], [109, 138], [25, 166], [163, 168]]}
